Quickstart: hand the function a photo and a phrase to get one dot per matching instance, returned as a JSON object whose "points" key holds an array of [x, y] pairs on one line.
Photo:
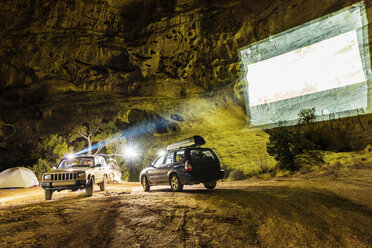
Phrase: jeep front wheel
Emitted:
{"points": [[102, 184], [48, 194], [175, 183], [89, 188]]}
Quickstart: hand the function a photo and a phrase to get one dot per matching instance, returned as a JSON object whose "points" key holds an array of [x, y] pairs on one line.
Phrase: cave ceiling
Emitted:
{"points": [[58, 58]]}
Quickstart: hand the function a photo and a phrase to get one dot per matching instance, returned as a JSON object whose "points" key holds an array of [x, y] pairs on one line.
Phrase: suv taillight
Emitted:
{"points": [[188, 166]]}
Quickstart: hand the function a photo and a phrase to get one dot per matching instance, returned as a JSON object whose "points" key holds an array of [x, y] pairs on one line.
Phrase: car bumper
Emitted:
{"points": [[190, 178], [74, 185]]}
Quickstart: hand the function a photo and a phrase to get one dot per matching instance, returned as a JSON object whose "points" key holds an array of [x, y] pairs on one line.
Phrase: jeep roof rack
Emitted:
{"points": [[189, 142]]}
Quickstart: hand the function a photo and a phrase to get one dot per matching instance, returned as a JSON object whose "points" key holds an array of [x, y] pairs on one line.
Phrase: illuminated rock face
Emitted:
{"points": [[127, 48], [130, 47], [167, 48]]}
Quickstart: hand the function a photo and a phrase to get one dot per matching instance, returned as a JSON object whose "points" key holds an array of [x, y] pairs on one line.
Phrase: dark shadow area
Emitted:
{"points": [[318, 211], [185, 190]]}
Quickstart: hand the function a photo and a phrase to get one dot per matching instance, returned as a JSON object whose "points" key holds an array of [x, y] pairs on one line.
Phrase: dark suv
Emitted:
{"points": [[184, 164]]}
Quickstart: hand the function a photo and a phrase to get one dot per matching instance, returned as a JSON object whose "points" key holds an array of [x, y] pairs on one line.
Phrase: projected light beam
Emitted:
{"points": [[132, 132]]}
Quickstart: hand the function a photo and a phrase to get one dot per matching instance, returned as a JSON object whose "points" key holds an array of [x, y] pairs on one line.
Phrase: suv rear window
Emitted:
{"points": [[180, 156], [201, 155]]}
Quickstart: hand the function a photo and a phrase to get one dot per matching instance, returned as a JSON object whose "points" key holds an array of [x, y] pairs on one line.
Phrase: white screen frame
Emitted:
{"points": [[348, 19]]}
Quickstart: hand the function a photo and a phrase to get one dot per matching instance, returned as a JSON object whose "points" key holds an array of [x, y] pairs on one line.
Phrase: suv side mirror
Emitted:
{"points": [[151, 165], [53, 168]]}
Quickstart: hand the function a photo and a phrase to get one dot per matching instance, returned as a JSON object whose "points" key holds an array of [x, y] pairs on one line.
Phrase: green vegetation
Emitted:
{"points": [[286, 143], [53, 148], [41, 167], [50, 151], [236, 175]]}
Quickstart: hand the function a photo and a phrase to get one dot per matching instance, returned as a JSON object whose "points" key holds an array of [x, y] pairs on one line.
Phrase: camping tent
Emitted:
{"points": [[18, 177]]}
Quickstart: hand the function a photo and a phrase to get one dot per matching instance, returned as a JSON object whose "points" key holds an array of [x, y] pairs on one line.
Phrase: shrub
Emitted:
{"points": [[41, 167], [283, 173], [236, 175], [309, 161], [125, 175], [265, 176], [130, 171], [306, 123], [264, 168], [336, 164], [284, 145]]}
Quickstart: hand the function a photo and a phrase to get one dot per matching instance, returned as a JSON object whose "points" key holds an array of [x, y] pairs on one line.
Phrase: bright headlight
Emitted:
{"points": [[130, 152], [81, 174], [47, 177]]}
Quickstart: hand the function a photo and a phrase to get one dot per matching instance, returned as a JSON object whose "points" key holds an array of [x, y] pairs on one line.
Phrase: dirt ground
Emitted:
{"points": [[330, 209]]}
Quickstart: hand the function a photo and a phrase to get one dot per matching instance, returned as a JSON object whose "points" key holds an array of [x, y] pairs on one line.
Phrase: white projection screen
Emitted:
{"points": [[323, 64]]}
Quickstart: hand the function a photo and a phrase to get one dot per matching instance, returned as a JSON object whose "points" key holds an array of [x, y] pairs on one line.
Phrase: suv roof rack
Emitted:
{"points": [[189, 142]]}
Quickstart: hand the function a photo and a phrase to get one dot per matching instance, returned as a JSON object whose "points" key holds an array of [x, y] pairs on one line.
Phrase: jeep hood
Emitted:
{"points": [[74, 169]]}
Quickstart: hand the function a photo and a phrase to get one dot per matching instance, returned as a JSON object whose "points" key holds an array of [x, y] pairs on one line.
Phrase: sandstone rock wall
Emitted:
{"points": [[61, 60], [135, 47]]}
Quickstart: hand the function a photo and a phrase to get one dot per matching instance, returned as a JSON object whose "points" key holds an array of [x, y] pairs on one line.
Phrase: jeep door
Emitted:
{"points": [[154, 172], [99, 169]]}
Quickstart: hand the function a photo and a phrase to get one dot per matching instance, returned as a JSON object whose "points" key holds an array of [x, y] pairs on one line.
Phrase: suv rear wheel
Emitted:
{"points": [[145, 184], [210, 185], [175, 183], [48, 194]]}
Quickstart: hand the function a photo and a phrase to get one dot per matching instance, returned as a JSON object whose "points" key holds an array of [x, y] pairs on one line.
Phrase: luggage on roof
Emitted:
{"points": [[189, 142]]}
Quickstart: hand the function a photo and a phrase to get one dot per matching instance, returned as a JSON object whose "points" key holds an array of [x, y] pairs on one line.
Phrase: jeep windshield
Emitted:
{"points": [[76, 162], [202, 155]]}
